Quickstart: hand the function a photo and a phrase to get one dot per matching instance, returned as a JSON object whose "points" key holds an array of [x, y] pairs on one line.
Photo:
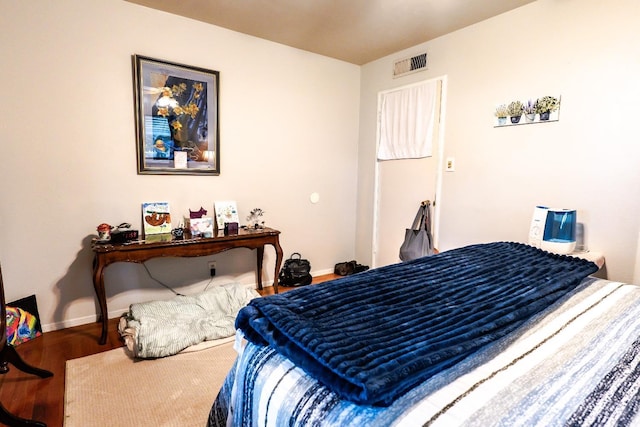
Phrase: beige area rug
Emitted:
{"points": [[111, 389]]}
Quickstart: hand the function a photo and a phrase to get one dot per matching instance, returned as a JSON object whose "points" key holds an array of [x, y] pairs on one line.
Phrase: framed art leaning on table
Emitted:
{"points": [[177, 127]]}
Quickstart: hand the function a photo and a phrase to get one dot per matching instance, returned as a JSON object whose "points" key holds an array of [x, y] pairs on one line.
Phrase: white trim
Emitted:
{"points": [[441, 162], [636, 273]]}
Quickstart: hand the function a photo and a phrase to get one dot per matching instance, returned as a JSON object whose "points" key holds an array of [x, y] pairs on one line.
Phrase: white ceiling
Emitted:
{"points": [[356, 31]]}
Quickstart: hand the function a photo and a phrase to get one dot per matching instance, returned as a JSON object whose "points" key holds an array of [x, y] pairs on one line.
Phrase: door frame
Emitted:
{"points": [[439, 166]]}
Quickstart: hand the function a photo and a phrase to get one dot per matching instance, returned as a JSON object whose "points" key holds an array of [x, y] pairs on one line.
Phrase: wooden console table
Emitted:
{"points": [[141, 251]]}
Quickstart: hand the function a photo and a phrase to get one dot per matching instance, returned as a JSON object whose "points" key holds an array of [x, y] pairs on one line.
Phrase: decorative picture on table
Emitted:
{"points": [[156, 218], [177, 114], [226, 211]]}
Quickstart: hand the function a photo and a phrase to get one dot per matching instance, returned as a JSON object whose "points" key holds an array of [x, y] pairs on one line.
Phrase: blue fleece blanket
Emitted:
{"points": [[373, 336]]}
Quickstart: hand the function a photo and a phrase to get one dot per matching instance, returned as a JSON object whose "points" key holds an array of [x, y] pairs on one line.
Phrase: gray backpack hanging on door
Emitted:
{"points": [[418, 241]]}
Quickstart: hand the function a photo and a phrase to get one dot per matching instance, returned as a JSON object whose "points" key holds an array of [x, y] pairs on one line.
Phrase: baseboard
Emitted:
{"points": [[318, 273], [70, 323], [321, 272], [78, 321], [636, 272]]}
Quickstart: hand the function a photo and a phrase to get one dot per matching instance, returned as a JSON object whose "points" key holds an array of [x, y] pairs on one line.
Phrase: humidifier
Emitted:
{"points": [[559, 231]]}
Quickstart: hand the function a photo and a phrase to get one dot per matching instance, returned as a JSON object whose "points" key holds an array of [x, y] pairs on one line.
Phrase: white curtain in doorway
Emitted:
{"points": [[406, 122]]}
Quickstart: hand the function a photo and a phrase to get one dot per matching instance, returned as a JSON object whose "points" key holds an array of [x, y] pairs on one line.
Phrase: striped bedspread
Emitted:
{"points": [[576, 363]]}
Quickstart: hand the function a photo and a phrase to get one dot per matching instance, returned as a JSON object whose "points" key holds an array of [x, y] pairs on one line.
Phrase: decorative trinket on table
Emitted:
{"points": [[197, 214], [254, 218], [104, 232], [230, 228], [178, 233]]}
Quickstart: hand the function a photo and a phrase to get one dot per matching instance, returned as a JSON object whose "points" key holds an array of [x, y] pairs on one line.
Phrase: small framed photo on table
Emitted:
{"points": [[225, 212]]}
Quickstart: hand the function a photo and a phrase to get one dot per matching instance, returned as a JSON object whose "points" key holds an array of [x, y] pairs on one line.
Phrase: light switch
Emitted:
{"points": [[450, 165]]}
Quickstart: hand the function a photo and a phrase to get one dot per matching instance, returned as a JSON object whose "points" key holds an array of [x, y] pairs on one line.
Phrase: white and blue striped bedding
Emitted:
{"points": [[575, 363]]}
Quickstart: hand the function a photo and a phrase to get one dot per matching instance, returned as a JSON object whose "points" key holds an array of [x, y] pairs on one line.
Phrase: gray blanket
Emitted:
{"points": [[163, 328]]}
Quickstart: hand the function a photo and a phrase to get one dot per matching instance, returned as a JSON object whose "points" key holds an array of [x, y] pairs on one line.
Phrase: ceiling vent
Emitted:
{"points": [[410, 65]]}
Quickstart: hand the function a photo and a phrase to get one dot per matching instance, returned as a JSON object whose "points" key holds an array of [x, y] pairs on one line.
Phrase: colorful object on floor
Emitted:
{"points": [[21, 326]]}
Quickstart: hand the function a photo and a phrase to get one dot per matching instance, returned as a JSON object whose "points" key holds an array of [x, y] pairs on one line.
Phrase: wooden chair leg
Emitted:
{"points": [[11, 420], [9, 355]]}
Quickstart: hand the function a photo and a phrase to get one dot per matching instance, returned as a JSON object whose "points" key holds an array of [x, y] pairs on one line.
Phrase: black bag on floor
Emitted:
{"points": [[349, 268], [295, 271]]}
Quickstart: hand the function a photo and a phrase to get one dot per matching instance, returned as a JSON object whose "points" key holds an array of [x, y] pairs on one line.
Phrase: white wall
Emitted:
{"points": [[289, 127], [584, 50], [293, 123]]}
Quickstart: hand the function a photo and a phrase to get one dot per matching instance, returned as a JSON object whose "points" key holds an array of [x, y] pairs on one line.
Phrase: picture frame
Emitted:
{"points": [[156, 218], [177, 118], [528, 116], [225, 212]]}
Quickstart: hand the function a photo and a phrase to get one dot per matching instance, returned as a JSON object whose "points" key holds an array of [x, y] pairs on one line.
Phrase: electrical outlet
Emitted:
{"points": [[212, 268]]}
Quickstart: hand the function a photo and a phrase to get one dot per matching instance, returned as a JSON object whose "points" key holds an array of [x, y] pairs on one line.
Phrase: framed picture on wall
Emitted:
{"points": [[177, 128]]}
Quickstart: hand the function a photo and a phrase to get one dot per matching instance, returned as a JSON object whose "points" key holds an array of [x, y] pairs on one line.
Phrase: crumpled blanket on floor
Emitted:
{"points": [[163, 328]]}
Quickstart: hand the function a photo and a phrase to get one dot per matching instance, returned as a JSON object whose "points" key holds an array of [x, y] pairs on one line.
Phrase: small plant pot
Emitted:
{"points": [[530, 117], [515, 119], [545, 115], [502, 121]]}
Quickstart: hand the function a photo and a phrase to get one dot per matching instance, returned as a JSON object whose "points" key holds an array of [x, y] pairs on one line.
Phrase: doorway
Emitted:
{"points": [[401, 185]]}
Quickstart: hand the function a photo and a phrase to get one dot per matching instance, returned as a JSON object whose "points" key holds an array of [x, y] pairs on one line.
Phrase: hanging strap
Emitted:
{"points": [[417, 221], [422, 218], [427, 217]]}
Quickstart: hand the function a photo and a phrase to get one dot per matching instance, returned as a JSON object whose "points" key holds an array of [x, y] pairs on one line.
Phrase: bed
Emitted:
{"points": [[490, 334]]}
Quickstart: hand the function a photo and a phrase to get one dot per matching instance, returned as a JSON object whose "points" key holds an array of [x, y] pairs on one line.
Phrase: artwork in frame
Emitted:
{"points": [[225, 211], [177, 118], [156, 218], [545, 109]]}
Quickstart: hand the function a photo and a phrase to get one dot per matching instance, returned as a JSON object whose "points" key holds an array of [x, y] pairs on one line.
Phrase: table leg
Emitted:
{"points": [[276, 273], [98, 284], [260, 258]]}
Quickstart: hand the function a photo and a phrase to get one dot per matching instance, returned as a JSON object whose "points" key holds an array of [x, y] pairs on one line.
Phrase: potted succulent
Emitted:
{"points": [[502, 112], [529, 110], [546, 105], [515, 109]]}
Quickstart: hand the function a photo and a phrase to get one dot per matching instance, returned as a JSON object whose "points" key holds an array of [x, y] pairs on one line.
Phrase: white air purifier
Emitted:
{"points": [[538, 221]]}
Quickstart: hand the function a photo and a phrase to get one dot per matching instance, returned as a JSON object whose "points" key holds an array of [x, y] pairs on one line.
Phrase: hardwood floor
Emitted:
{"points": [[31, 397]]}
